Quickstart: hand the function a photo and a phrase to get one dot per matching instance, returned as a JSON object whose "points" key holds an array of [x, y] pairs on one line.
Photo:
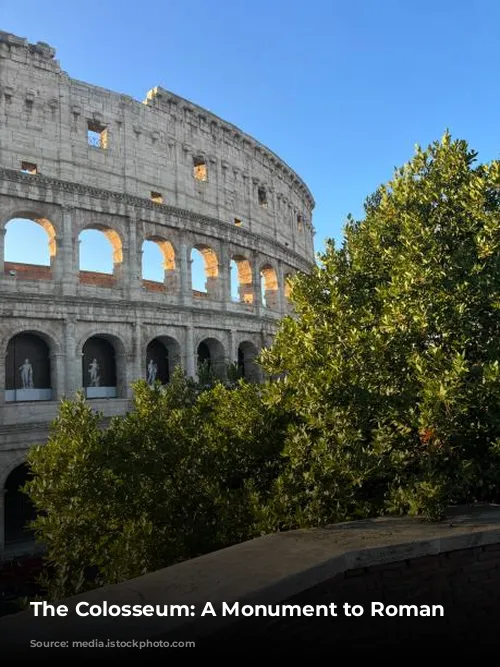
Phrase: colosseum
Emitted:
{"points": [[75, 157]]}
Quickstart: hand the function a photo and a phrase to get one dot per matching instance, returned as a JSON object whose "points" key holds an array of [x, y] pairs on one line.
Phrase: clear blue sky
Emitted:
{"points": [[342, 91]]}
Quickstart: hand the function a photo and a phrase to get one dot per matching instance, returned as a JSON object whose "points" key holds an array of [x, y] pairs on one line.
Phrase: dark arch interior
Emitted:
{"points": [[35, 349], [158, 353], [247, 366], [241, 362], [203, 354], [103, 352], [19, 509]]}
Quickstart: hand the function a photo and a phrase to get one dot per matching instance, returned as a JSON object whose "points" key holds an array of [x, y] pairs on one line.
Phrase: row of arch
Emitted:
{"points": [[30, 376], [100, 251]]}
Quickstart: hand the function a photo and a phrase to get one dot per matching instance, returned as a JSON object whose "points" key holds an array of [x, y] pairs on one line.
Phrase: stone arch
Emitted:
{"points": [[40, 330], [107, 376], [102, 278], [211, 351], [244, 277], [210, 268], [18, 508], [34, 270], [7, 469], [169, 262], [165, 352], [30, 367], [269, 284], [247, 361]]}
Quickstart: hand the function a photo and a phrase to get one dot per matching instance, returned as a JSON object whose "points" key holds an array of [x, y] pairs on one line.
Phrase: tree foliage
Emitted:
{"points": [[385, 399], [392, 365], [173, 479]]}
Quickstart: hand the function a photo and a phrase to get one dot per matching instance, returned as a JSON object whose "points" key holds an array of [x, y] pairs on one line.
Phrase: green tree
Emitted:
{"points": [[175, 478], [391, 367]]}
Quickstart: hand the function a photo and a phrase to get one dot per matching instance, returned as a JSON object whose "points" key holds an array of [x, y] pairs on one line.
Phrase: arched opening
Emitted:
{"points": [[247, 365], [158, 264], [100, 256], [30, 248], [211, 354], [27, 369], [204, 271], [99, 368], [162, 356], [241, 280], [19, 510], [269, 287]]}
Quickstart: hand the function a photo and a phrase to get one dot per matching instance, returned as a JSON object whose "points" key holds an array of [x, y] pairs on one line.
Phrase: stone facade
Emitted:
{"points": [[75, 157]]}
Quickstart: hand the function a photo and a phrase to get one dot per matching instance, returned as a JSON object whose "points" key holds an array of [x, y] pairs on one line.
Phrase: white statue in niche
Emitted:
{"points": [[152, 372], [26, 371], [94, 373]]}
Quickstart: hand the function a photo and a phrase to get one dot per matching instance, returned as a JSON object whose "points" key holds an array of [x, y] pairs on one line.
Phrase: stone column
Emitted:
{"points": [[185, 262], [2, 387], [2, 250], [58, 375], [73, 366], [257, 282], [225, 275], [2, 522], [133, 259], [281, 289], [232, 353], [67, 264], [138, 361], [190, 365]]}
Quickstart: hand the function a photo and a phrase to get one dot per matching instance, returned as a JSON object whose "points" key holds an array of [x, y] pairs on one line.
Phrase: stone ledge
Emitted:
{"points": [[266, 570]]}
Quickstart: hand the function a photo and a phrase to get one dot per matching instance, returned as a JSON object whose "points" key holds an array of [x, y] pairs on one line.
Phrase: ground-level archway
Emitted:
{"points": [[162, 356], [247, 365], [18, 508], [210, 352], [99, 368], [27, 369]]}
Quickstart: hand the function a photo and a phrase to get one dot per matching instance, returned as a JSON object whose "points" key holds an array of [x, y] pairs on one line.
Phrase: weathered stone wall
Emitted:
{"points": [[454, 563], [136, 182], [465, 582]]}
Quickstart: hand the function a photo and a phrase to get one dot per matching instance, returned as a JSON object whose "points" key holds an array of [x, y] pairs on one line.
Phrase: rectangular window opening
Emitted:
{"points": [[262, 194], [29, 168], [156, 197], [200, 171], [97, 134], [300, 223]]}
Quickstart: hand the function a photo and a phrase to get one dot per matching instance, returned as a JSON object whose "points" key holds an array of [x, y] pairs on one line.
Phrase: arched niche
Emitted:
{"points": [[269, 287], [211, 352], [99, 367], [247, 365], [30, 247], [28, 372], [162, 356], [100, 255], [242, 289], [159, 264], [18, 508], [204, 264]]}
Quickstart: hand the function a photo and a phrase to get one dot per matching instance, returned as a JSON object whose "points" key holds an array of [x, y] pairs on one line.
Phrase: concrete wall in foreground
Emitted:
{"points": [[454, 565]]}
